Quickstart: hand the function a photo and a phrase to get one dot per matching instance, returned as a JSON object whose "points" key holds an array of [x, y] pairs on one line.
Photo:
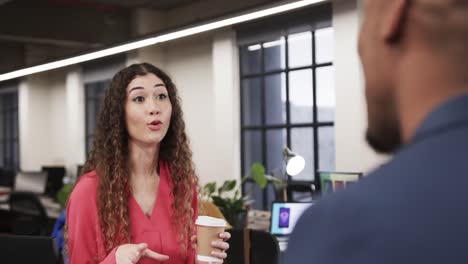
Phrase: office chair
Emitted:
{"points": [[7, 177], [28, 249], [252, 247], [29, 216]]}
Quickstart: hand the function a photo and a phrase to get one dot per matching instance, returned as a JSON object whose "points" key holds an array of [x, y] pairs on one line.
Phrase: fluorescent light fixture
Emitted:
{"points": [[274, 43], [254, 47], [161, 38], [300, 36]]}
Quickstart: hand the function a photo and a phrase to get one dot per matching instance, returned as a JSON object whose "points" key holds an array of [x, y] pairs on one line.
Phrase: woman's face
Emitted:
{"points": [[148, 110]]}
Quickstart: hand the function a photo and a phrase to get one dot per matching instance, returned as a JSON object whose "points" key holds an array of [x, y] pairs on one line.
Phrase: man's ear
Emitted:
{"points": [[394, 20]]}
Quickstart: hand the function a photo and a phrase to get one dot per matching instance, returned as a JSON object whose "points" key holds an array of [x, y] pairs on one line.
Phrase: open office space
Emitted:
{"points": [[254, 77]]}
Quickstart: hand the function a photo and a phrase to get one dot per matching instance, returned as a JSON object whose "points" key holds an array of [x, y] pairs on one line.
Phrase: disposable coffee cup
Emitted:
{"points": [[208, 230]]}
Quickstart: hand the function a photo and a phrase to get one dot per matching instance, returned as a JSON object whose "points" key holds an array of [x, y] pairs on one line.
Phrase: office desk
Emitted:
{"points": [[4, 192], [52, 208]]}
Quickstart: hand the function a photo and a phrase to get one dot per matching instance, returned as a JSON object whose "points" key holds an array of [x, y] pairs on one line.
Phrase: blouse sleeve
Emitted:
{"points": [[192, 251], [83, 226]]}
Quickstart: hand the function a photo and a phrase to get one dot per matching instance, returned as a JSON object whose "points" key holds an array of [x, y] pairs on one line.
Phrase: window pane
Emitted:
{"points": [[15, 155], [2, 124], [91, 116], [8, 153], [92, 89], [96, 89], [274, 54], [15, 124], [275, 99], [255, 193], [301, 96], [275, 140], [252, 149], [89, 143], [251, 102], [8, 126], [300, 49], [251, 59], [2, 154], [325, 93], [324, 45], [302, 143], [326, 143]]}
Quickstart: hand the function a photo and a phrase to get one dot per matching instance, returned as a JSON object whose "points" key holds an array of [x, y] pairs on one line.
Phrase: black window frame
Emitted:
{"points": [[303, 19], [96, 99], [9, 110]]}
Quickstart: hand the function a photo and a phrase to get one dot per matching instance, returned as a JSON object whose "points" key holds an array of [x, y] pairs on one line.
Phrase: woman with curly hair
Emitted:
{"points": [[137, 199]]}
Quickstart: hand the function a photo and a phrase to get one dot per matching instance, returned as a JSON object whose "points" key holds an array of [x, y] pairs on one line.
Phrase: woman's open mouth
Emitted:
{"points": [[155, 125]]}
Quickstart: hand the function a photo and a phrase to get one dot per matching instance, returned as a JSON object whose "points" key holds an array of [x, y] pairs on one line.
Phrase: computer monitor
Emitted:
{"points": [[28, 249], [334, 181], [34, 182], [55, 176], [284, 216]]}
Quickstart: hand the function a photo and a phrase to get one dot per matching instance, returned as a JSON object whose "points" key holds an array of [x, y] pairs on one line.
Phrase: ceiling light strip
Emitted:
{"points": [[158, 39]]}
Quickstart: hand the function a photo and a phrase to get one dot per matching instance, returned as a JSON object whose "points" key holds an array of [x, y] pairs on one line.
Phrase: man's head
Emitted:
{"points": [[396, 36]]}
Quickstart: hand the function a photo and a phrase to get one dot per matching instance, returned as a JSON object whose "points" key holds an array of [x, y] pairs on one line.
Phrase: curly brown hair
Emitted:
{"points": [[109, 156]]}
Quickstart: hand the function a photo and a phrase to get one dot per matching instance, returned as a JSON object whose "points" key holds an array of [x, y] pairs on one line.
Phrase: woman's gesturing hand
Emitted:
{"points": [[132, 253]]}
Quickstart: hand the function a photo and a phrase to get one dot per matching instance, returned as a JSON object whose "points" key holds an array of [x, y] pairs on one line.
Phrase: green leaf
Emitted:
{"points": [[258, 174], [63, 194], [227, 186], [209, 188], [237, 205], [220, 202]]}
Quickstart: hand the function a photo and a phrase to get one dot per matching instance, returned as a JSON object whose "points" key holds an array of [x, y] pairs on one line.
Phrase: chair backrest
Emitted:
{"points": [[7, 177], [28, 249], [29, 216], [264, 248]]}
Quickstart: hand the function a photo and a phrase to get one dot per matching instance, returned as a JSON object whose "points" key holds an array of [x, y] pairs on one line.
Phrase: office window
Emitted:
{"points": [[288, 99], [94, 94], [9, 143]]}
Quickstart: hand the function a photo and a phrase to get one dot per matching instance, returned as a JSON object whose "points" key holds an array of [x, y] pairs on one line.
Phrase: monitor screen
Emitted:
{"points": [[31, 182], [334, 181], [285, 215]]}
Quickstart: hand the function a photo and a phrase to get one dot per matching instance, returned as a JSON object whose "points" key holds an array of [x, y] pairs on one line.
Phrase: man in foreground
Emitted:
{"points": [[413, 209]]}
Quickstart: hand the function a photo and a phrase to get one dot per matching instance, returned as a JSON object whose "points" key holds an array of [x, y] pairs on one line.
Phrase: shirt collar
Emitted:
{"points": [[453, 112]]}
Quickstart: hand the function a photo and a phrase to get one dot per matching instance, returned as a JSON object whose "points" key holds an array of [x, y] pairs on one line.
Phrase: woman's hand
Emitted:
{"points": [[132, 253], [222, 246]]}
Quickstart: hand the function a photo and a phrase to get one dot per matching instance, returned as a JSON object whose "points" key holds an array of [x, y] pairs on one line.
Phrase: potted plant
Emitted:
{"points": [[234, 206]]}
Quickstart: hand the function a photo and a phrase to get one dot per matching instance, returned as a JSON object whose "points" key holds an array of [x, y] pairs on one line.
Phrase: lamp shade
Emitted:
{"points": [[294, 163]]}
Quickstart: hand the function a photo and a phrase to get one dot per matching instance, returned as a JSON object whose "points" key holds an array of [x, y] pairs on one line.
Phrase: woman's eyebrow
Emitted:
{"points": [[141, 88]]}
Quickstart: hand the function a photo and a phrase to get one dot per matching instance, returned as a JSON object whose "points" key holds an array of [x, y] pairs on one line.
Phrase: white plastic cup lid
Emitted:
{"points": [[209, 259], [205, 220]]}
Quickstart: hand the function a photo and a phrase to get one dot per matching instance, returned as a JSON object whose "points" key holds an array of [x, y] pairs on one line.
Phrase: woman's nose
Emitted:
{"points": [[154, 108]]}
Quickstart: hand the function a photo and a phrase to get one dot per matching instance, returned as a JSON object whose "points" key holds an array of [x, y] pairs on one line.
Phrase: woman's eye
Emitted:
{"points": [[162, 96], [139, 99]]}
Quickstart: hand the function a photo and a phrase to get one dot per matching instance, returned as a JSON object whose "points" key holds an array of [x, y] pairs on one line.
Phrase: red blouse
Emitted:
{"points": [[85, 238]]}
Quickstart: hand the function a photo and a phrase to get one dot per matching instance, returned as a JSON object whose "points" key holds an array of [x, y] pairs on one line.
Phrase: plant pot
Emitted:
{"points": [[237, 219]]}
